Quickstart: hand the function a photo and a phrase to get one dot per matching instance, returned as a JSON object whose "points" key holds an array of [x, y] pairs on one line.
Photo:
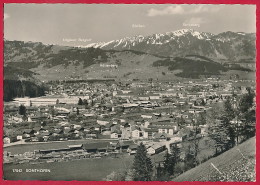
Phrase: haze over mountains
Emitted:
{"points": [[178, 54]]}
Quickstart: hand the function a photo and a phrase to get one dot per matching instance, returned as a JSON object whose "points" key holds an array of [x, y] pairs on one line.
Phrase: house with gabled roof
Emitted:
{"points": [[116, 134], [136, 132]]}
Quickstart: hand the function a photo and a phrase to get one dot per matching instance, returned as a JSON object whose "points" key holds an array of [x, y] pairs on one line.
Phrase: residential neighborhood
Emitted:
{"points": [[110, 118]]}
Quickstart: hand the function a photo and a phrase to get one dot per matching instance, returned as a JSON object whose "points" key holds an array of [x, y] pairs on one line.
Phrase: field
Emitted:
{"points": [[86, 169], [81, 170]]}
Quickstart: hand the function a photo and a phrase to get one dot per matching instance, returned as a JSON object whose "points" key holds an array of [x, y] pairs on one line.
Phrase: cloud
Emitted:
{"points": [[6, 16], [195, 20], [170, 10], [183, 9], [205, 8]]}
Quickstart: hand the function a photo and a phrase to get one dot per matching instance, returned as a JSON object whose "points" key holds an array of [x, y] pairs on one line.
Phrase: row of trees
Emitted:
{"points": [[85, 102]]}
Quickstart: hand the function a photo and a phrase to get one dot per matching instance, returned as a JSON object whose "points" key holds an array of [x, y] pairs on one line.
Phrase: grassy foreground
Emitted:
{"points": [[237, 164]]}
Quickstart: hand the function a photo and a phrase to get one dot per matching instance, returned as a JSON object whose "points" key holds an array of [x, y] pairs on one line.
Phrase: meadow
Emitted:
{"points": [[92, 169]]}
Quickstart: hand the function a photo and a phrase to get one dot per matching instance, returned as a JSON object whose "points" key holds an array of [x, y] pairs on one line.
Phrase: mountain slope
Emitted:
{"points": [[226, 46], [51, 62], [192, 66], [237, 164], [29, 55]]}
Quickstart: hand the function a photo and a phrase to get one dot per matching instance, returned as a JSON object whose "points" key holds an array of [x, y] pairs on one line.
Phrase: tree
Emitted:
{"points": [[203, 103], [247, 115], [77, 111], [246, 101], [230, 114], [219, 133], [92, 103], [44, 123], [189, 159], [229, 110], [248, 128], [142, 165], [85, 102], [168, 163], [222, 130], [160, 174], [175, 155], [194, 147], [22, 110], [80, 102], [230, 131]]}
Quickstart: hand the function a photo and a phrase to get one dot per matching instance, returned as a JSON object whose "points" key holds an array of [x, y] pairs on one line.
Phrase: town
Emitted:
{"points": [[109, 118]]}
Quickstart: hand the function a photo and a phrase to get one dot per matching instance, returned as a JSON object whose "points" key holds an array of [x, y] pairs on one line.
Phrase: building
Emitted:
{"points": [[96, 147], [135, 132], [49, 100], [132, 149], [149, 132], [116, 134], [7, 140], [156, 148]]}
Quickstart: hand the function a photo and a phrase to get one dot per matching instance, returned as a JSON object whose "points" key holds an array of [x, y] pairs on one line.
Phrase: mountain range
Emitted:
{"points": [[226, 46], [178, 54]]}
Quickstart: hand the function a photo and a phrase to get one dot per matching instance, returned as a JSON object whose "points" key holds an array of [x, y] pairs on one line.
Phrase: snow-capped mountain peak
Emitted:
{"points": [[159, 38], [178, 42], [180, 32], [197, 34]]}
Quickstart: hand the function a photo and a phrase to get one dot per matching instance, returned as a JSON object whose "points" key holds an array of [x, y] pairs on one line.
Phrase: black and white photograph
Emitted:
{"points": [[129, 92]]}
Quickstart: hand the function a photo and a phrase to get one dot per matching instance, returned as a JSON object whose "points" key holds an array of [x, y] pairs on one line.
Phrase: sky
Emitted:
{"points": [[82, 24]]}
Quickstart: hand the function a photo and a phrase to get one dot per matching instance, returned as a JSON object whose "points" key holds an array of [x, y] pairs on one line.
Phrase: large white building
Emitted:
{"points": [[49, 100]]}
